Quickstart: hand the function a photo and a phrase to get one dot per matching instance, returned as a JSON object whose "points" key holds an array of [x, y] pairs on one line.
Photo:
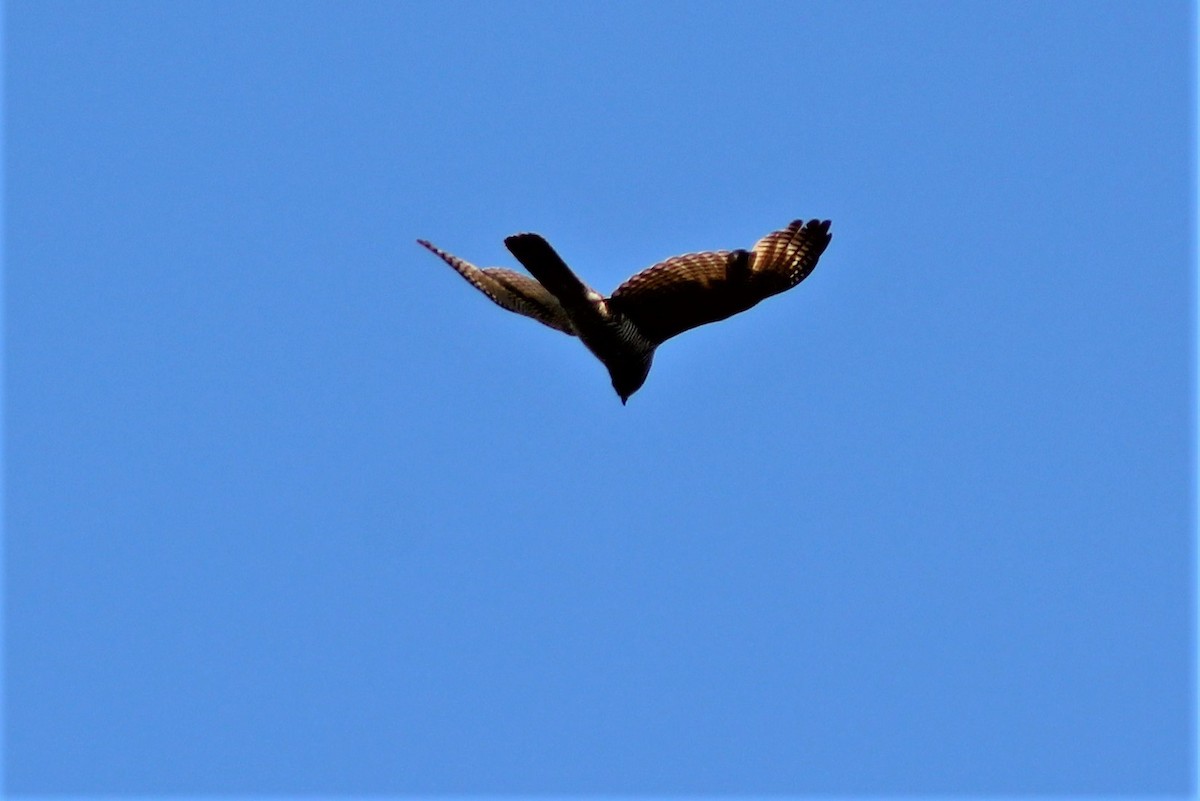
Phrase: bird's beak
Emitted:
{"points": [[623, 399]]}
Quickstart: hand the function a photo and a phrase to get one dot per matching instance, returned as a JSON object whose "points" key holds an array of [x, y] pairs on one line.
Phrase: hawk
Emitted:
{"points": [[624, 329]]}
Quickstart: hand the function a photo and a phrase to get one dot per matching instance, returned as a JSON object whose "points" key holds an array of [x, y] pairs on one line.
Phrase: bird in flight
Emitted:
{"points": [[624, 329]]}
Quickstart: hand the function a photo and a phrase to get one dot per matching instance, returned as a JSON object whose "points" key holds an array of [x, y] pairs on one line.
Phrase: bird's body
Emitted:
{"points": [[624, 329]]}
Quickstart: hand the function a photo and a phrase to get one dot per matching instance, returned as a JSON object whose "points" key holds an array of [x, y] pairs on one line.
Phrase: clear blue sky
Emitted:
{"points": [[290, 508]]}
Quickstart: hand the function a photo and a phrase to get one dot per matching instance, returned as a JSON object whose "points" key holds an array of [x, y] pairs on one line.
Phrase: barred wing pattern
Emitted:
{"points": [[698, 288], [510, 290]]}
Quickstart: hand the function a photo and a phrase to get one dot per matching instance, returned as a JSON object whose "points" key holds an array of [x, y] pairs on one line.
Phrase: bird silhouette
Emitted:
{"points": [[624, 329]]}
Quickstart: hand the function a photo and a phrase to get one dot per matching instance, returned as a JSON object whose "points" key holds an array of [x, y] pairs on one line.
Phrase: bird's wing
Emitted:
{"points": [[686, 291], [510, 290]]}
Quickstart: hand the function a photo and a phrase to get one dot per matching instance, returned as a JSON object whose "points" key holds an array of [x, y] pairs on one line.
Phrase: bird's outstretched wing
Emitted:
{"points": [[686, 291], [510, 290]]}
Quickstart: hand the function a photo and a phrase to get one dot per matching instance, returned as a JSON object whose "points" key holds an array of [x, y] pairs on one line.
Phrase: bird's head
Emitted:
{"points": [[628, 377]]}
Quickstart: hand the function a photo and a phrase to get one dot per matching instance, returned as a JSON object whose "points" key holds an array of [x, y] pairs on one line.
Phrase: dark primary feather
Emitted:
{"points": [[510, 290], [785, 258], [698, 288]]}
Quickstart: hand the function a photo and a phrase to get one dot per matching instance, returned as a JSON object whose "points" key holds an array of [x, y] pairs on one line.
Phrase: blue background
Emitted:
{"points": [[290, 508]]}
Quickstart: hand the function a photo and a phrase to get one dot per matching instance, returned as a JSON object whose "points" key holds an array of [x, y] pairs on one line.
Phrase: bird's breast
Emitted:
{"points": [[613, 336]]}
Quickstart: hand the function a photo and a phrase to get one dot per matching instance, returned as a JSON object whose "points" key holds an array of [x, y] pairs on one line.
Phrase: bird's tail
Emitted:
{"points": [[550, 270]]}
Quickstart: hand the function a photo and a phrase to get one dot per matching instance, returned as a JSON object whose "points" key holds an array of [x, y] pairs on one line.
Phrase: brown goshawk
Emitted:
{"points": [[624, 329]]}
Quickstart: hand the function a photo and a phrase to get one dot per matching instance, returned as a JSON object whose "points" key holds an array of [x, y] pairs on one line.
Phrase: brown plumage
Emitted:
{"points": [[510, 290], [658, 303]]}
